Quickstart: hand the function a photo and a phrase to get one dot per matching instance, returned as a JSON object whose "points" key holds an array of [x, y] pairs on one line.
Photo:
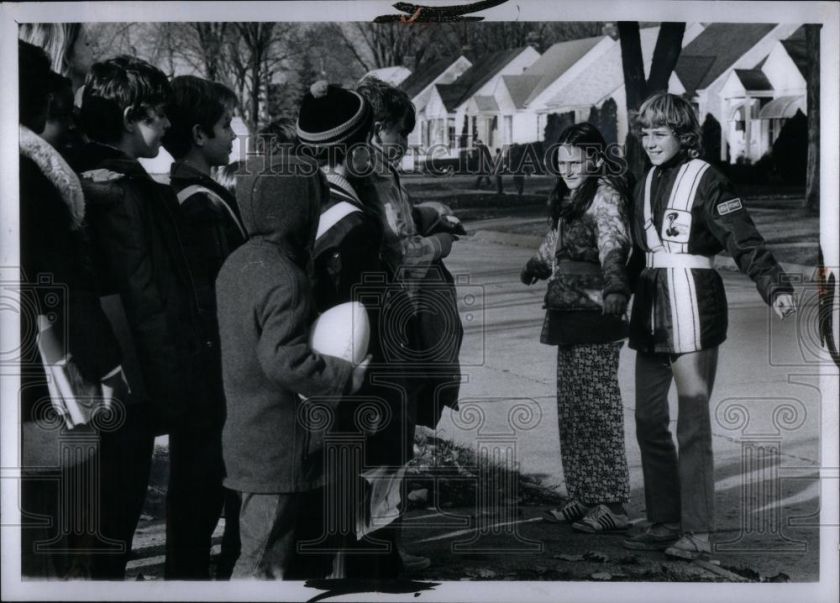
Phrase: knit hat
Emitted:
{"points": [[330, 115]]}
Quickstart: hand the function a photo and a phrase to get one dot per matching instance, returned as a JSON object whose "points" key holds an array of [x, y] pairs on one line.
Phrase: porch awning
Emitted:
{"points": [[782, 107], [485, 104]]}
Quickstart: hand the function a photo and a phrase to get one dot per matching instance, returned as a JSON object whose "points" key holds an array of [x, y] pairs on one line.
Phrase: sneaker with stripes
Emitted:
{"points": [[568, 513], [600, 519]]}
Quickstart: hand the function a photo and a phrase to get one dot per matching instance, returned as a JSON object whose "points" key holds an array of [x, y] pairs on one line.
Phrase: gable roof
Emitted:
{"points": [[602, 76], [417, 81], [555, 62], [520, 87], [715, 50], [753, 79], [475, 77], [798, 53], [485, 103]]}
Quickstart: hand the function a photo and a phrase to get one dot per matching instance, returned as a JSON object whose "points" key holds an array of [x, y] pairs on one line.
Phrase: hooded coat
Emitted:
{"points": [[272, 438]]}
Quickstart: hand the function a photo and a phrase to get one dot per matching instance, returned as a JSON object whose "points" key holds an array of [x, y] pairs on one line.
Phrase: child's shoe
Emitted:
{"points": [[568, 513], [690, 547], [601, 519], [655, 537]]}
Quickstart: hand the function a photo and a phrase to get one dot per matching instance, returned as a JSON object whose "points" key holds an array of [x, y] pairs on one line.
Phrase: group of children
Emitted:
{"points": [[202, 299], [190, 307], [680, 215]]}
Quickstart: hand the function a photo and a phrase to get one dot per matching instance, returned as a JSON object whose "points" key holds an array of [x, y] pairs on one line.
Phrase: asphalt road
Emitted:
{"points": [[765, 408]]}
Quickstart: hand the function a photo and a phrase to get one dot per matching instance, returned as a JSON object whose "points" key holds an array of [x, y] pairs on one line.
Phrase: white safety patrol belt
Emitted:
{"points": [[333, 216]]}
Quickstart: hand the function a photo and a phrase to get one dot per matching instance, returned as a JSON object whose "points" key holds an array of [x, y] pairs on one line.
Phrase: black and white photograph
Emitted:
{"points": [[494, 300]]}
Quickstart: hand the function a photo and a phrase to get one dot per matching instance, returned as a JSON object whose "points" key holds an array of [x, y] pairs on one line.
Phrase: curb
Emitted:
{"points": [[533, 242]]}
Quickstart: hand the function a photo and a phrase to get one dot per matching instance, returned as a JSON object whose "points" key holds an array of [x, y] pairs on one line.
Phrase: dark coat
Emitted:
{"points": [[718, 220], [135, 229], [58, 281], [212, 232], [272, 441]]}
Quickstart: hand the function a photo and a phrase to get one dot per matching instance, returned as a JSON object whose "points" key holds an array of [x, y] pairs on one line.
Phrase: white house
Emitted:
{"points": [[419, 86], [603, 79], [457, 113], [522, 99], [723, 72]]}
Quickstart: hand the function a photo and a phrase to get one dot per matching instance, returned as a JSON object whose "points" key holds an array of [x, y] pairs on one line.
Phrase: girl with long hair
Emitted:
{"points": [[583, 256]]}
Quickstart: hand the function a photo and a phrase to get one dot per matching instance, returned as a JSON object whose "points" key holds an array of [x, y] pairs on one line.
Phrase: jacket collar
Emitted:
{"points": [[340, 186], [98, 155], [57, 171]]}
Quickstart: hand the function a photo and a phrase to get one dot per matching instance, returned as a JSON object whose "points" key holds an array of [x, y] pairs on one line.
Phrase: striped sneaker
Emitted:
{"points": [[600, 519], [568, 513]]}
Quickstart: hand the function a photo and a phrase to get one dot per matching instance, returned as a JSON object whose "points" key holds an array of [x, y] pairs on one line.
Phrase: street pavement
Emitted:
{"points": [[765, 409], [766, 434]]}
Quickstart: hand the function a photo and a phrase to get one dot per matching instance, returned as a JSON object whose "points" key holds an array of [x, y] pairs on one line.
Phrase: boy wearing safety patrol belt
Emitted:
{"points": [[685, 213]]}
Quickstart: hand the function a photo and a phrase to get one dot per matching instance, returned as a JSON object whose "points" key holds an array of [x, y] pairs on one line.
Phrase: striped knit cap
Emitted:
{"points": [[331, 115]]}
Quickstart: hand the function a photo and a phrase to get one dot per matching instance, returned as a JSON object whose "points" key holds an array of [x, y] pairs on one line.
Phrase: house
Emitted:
{"points": [[522, 99], [602, 80], [728, 74], [450, 120], [419, 86], [764, 98], [395, 75]]}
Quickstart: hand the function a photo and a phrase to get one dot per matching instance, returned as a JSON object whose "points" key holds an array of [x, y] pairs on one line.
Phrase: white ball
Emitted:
{"points": [[342, 331]]}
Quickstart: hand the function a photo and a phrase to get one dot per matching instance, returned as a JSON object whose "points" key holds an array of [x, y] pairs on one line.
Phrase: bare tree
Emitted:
{"points": [[637, 88], [374, 45]]}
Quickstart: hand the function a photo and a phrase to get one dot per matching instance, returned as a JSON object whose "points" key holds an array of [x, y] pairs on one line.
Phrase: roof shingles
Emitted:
{"points": [[715, 50], [475, 77]]}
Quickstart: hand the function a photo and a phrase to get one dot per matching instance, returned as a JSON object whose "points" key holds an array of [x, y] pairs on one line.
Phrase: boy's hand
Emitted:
{"points": [[615, 304], [784, 305], [358, 375]]}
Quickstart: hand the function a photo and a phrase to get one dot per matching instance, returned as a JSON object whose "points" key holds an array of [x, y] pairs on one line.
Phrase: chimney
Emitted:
{"points": [[610, 29]]}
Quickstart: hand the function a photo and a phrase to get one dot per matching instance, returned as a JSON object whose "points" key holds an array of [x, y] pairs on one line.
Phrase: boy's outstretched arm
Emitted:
{"points": [[729, 221], [284, 316]]}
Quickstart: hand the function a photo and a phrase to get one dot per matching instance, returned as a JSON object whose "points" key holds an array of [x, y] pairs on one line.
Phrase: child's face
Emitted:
{"points": [[391, 139], [149, 132], [660, 143], [217, 149], [575, 165]]}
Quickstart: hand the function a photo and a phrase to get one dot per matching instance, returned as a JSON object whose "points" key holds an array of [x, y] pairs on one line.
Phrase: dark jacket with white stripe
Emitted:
{"points": [[677, 310]]}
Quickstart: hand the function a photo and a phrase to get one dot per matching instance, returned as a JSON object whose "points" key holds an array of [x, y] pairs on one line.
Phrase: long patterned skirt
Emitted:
{"points": [[591, 421]]}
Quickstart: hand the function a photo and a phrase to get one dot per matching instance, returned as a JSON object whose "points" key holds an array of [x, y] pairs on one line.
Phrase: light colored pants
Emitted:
{"points": [[677, 488]]}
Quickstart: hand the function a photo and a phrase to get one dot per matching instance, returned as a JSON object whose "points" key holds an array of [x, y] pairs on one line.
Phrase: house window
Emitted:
{"points": [[508, 129], [450, 131]]}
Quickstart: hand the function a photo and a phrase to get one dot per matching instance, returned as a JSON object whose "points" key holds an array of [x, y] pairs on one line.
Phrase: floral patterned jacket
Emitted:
{"points": [[601, 237]]}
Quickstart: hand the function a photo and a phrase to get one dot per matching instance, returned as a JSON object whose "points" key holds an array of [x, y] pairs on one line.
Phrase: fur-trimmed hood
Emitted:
{"points": [[57, 171]]}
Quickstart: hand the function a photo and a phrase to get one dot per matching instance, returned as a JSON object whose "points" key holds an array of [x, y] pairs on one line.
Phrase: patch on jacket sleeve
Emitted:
{"points": [[727, 207]]}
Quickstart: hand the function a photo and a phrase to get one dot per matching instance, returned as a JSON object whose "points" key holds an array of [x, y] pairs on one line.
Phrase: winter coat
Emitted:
{"points": [[677, 310], [58, 281], [273, 440], [213, 229], [587, 256], [136, 230]]}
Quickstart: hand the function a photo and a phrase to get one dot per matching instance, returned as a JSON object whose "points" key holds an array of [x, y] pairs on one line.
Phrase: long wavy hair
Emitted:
{"points": [[571, 205]]}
